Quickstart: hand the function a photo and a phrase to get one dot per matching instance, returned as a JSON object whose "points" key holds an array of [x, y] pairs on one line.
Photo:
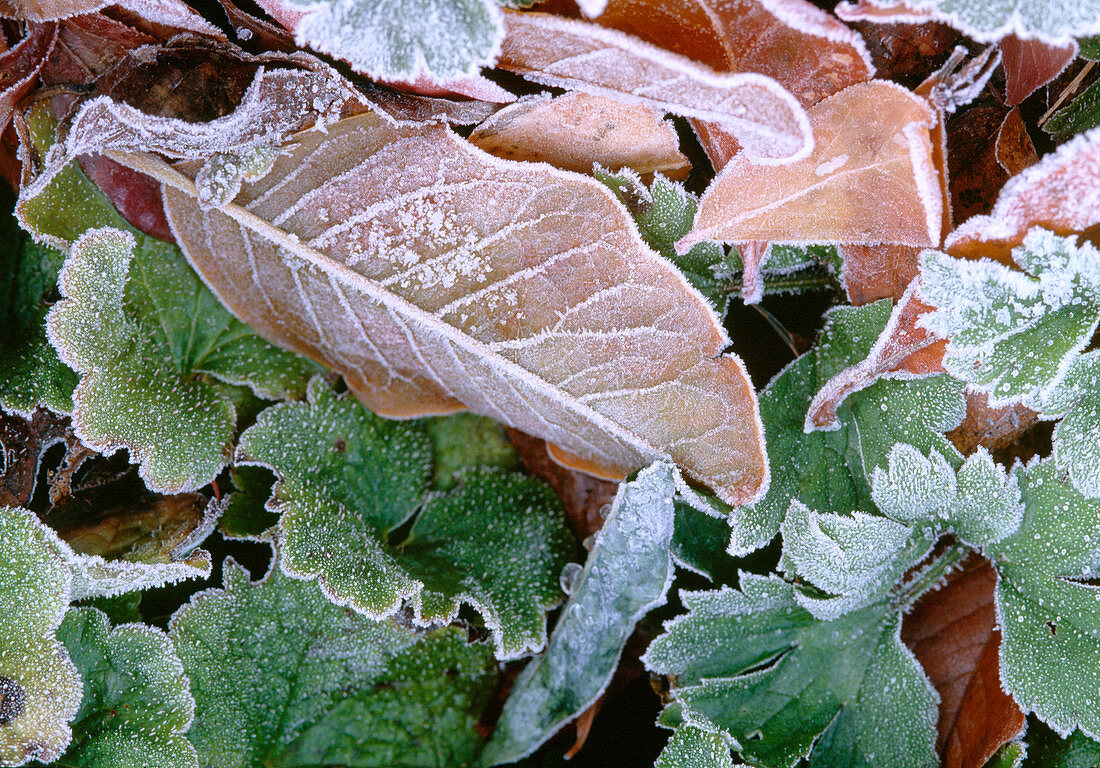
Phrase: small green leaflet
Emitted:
{"points": [[434, 39], [1081, 114], [1046, 749], [1014, 335], [664, 212], [28, 274], [348, 479], [40, 686], [627, 574], [282, 677], [1049, 615], [755, 665], [831, 470], [137, 706]]}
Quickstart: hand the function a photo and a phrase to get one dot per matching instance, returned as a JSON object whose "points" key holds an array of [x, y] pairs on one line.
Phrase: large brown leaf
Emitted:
{"points": [[769, 122], [870, 179], [952, 632], [436, 277]]}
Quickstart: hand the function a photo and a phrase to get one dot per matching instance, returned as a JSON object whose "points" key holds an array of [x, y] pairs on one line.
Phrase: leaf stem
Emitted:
{"points": [[930, 575]]}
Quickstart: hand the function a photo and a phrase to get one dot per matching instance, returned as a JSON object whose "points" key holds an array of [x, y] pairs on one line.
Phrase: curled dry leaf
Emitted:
{"points": [[870, 179], [536, 302], [19, 66], [1059, 193], [801, 47], [577, 130], [768, 121]]}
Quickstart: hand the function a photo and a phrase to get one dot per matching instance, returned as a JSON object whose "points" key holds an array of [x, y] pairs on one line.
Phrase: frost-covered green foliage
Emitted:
{"points": [[627, 574], [349, 479], [832, 470], [137, 706], [1054, 21], [283, 677]]}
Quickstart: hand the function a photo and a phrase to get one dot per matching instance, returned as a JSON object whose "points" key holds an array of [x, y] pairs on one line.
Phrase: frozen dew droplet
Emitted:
{"points": [[12, 700], [570, 575]]}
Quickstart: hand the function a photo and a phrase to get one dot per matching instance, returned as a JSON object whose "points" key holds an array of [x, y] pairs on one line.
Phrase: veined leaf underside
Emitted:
{"points": [[536, 302]]}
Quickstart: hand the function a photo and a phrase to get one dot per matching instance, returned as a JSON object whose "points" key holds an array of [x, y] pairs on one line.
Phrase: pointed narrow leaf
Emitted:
{"points": [[536, 303]]}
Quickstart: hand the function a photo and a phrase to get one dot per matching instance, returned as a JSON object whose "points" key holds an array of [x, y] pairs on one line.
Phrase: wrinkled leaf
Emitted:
{"points": [[578, 130], [348, 478], [692, 747], [282, 677], [505, 281], [39, 685], [870, 179], [19, 67], [627, 574], [784, 686], [170, 13], [137, 706], [767, 120]]}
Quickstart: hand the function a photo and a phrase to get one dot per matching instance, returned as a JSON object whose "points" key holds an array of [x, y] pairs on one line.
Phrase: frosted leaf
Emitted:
{"points": [[532, 301], [759, 668], [281, 676], [21, 64], [1029, 64], [664, 212], [1077, 436], [980, 504], [1014, 335], [692, 747], [767, 120], [348, 478], [464, 441], [1053, 21], [137, 707], [429, 40], [1049, 618], [40, 687], [220, 178], [858, 557], [628, 573], [140, 328], [93, 576], [576, 130], [870, 179], [832, 470], [170, 13], [1058, 193], [1045, 749]]}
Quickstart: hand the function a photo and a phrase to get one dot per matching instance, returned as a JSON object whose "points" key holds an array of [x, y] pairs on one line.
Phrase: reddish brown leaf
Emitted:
{"points": [[897, 13], [903, 347], [907, 53], [577, 130], [87, 47], [19, 67], [1059, 193], [976, 176], [1030, 64], [952, 632], [991, 428], [582, 495], [23, 442], [768, 121], [165, 13], [1015, 152], [871, 179], [134, 195]]}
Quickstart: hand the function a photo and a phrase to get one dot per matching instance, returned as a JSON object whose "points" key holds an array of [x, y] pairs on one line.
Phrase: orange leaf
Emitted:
{"points": [[577, 130], [872, 272], [952, 632], [566, 53], [437, 277], [1059, 193], [870, 180]]}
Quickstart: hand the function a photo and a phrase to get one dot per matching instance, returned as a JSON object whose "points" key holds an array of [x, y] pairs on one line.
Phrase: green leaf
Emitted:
{"points": [[33, 375], [692, 747], [136, 706], [144, 332], [1089, 48], [784, 686], [282, 677], [1046, 749], [245, 514], [464, 441], [348, 478], [831, 470], [1081, 114], [1077, 437], [699, 543], [1014, 335], [39, 686], [1050, 619], [437, 39], [627, 573], [664, 212]]}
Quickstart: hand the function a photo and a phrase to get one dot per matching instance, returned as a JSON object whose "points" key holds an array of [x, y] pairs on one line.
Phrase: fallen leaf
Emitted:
{"points": [[975, 174], [1059, 194], [768, 121], [19, 67], [872, 272], [1015, 151], [870, 180], [991, 428], [256, 34], [1031, 63], [907, 53], [23, 442], [882, 12], [904, 348], [576, 130], [537, 303], [803, 48], [952, 632], [168, 13]]}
